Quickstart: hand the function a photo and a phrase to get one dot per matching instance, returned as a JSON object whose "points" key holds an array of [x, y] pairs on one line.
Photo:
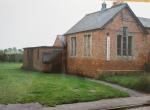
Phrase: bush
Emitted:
{"points": [[2, 57], [147, 64], [143, 84], [147, 67]]}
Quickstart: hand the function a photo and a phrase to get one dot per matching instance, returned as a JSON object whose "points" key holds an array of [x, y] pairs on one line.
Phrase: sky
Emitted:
{"points": [[28, 23]]}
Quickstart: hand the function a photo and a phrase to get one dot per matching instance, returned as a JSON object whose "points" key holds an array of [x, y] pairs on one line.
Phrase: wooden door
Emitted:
{"points": [[30, 58]]}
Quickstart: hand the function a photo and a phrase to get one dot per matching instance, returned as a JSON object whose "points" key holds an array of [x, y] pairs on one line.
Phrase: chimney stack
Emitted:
{"points": [[117, 2]]}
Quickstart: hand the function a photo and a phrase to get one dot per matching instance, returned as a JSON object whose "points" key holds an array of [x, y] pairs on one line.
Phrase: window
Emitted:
{"points": [[87, 45], [27, 53], [119, 45], [124, 41], [124, 45], [73, 46], [124, 31], [46, 58], [108, 48], [38, 54], [130, 45]]}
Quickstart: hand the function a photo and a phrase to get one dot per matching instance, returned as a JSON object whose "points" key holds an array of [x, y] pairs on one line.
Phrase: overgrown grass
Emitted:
{"points": [[137, 81], [9, 65], [20, 86]]}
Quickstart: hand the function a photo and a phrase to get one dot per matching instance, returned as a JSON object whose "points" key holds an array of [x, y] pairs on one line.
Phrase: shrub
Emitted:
{"points": [[147, 64], [147, 67], [2, 57], [143, 84]]}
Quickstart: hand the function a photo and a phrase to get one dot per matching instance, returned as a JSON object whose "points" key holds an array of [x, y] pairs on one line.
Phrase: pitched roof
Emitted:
{"points": [[96, 20], [99, 19], [62, 39], [145, 22]]}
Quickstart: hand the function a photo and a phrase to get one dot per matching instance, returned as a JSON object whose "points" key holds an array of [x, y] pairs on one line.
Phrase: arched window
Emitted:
{"points": [[73, 46], [87, 44]]}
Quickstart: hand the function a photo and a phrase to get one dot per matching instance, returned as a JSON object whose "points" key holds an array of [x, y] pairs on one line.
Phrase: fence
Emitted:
{"points": [[11, 57]]}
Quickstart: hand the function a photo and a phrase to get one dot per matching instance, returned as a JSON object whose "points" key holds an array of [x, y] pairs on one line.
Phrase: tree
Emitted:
{"points": [[14, 49], [20, 51], [5, 51], [9, 50], [1, 51]]}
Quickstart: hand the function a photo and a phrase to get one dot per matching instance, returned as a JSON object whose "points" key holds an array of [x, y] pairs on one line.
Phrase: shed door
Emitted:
{"points": [[30, 58]]}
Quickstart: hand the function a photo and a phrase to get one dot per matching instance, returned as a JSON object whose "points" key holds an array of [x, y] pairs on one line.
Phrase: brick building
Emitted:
{"points": [[111, 40], [45, 59]]}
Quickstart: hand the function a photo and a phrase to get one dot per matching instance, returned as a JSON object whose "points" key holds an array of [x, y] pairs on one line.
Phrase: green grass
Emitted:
{"points": [[20, 86], [9, 65], [137, 81]]}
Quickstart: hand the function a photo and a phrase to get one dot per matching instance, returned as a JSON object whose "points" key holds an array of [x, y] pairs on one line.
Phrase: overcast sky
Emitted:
{"points": [[25, 23]]}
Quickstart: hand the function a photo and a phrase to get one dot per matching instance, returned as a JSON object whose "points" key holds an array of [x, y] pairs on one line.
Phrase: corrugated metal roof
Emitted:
{"points": [[145, 22], [96, 20]]}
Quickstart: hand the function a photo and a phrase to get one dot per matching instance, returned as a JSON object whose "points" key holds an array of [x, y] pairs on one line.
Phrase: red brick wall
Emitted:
{"points": [[148, 39], [37, 61], [139, 46], [86, 66], [91, 66], [25, 60], [58, 42]]}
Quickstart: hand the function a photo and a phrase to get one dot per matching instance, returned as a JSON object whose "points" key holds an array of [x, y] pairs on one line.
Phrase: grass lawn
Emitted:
{"points": [[20, 86], [139, 81]]}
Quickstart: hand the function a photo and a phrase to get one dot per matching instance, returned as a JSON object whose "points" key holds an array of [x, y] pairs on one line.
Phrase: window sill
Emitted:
{"points": [[126, 57], [72, 56]]}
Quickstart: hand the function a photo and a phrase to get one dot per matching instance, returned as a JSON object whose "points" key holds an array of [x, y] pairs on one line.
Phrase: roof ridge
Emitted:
{"points": [[96, 20], [92, 13], [107, 9]]}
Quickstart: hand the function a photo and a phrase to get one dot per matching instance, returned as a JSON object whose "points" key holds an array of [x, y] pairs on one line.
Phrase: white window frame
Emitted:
{"points": [[73, 36], [86, 34], [132, 42], [108, 44]]}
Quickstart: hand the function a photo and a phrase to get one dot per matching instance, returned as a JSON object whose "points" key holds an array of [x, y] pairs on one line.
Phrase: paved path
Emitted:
{"points": [[132, 93], [31, 106], [141, 108], [96, 105], [105, 104]]}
